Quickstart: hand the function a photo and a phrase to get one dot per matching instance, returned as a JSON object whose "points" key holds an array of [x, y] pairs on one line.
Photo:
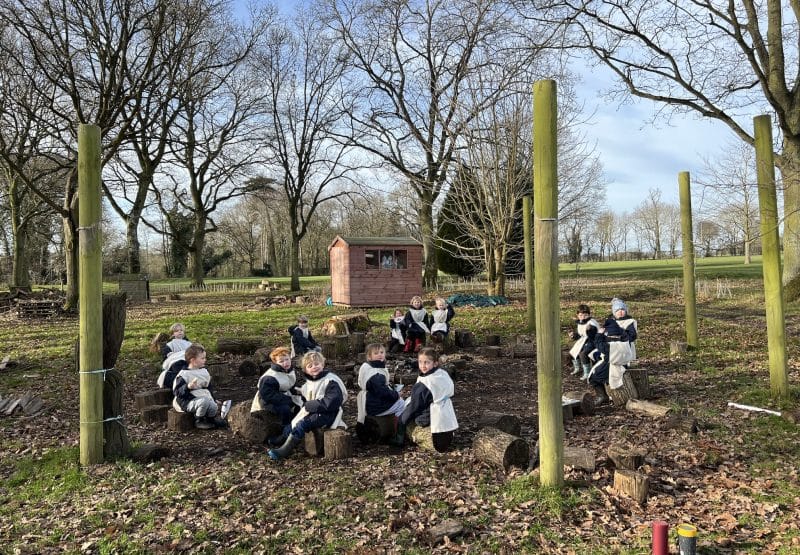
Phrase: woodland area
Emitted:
{"points": [[729, 472]]}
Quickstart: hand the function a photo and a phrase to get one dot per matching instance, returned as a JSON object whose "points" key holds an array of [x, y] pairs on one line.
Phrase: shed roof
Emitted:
{"points": [[376, 241]]}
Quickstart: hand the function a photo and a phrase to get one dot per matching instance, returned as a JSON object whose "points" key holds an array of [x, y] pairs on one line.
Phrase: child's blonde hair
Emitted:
{"points": [[176, 326], [194, 350], [279, 352], [311, 357], [302, 318], [437, 299], [373, 348], [416, 298], [430, 353]]}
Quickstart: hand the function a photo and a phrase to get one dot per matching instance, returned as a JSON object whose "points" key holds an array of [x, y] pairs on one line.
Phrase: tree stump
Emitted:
{"points": [[651, 409], [376, 429], [459, 364], [626, 457], [328, 349], [361, 358], [421, 436], [180, 421], [337, 444], [248, 367], [678, 347], [155, 414], [633, 484], [342, 347], [507, 423], [239, 345], [345, 324], [221, 373], [358, 342], [566, 413], [261, 358], [579, 458], [464, 338], [501, 449], [492, 340], [315, 443], [490, 351], [623, 394], [116, 443], [641, 381], [113, 327], [253, 427], [583, 402], [153, 397], [683, 422]]}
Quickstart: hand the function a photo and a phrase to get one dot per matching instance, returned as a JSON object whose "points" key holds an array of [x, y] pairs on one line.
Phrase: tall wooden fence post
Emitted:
{"points": [[545, 233], [771, 257], [689, 294], [91, 296]]}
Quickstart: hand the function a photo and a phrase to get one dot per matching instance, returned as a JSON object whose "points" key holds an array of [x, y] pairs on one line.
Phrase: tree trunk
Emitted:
{"points": [[199, 244], [500, 273], [294, 263], [115, 434], [790, 171], [19, 265], [431, 269], [633, 484], [70, 263], [132, 238], [113, 327]]}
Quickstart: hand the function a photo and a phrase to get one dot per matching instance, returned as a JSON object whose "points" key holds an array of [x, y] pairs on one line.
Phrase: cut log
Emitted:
{"points": [[623, 394], [115, 435], [683, 422], [583, 402], [490, 352], [651, 409], [361, 358], [579, 458], [376, 429], [523, 350], [501, 449], [180, 421], [633, 484], [641, 382], [566, 413], [150, 453], [221, 373], [337, 444], [358, 342], [464, 338], [239, 345], [153, 397], [34, 406], [342, 347], [626, 457], [449, 529], [328, 349], [678, 347], [155, 414], [261, 358], [248, 367], [492, 340], [253, 427], [315, 443], [459, 364], [421, 436], [345, 324], [507, 423]]}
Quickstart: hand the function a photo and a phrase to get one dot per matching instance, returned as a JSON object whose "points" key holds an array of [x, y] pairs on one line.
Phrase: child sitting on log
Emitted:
{"points": [[276, 392], [376, 396], [586, 329], [397, 338], [324, 394], [440, 320], [192, 390], [614, 349], [302, 340], [178, 343], [174, 363], [430, 409], [417, 321]]}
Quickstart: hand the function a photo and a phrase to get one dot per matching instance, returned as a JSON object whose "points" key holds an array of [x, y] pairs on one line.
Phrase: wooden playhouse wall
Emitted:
{"points": [[352, 284]]}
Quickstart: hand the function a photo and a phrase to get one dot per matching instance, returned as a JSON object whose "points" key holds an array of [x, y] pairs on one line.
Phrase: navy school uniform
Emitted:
{"points": [[302, 340], [324, 396], [171, 366], [376, 395], [430, 405], [440, 320], [274, 393], [174, 346]]}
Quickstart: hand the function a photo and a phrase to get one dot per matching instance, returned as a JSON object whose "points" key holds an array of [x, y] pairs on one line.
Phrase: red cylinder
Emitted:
{"points": [[660, 530]]}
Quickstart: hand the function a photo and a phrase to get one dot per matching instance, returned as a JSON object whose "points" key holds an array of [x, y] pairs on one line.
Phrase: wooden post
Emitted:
{"points": [[337, 444], [771, 258], [253, 427], [579, 457], [155, 414], [376, 428], [153, 397], [548, 340], [527, 232], [501, 449], [687, 243], [91, 295], [492, 340], [624, 393]]}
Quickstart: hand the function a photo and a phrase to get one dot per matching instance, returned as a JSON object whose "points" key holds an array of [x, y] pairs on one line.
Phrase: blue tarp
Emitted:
{"points": [[463, 299]]}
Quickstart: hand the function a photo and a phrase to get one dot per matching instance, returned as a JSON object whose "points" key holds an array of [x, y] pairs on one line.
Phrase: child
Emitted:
{"points": [[178, 343], [174, 363], [377, 397], [398, 335], [191, 390], [430, 404], [613, 350], [275, 389], [586, 329], [440, 320], [324, 395], [417, 321], [302, 340]]}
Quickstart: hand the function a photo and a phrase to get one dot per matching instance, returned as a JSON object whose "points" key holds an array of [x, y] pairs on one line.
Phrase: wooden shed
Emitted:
{"points": [[375, 271]]}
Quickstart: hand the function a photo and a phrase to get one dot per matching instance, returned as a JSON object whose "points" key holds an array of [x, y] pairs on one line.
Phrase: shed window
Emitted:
{"points": [[393, 259]]}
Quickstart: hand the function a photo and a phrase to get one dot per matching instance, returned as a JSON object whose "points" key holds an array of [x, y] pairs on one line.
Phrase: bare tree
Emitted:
{"points": [[419, 59], [729, 194], [301, 66], [722, 60], [650, 222]]}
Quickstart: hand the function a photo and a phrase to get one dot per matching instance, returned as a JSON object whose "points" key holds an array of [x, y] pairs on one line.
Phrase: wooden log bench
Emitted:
{"points": [[507, 423], [154, 397], [180, 421], [501, 449]]}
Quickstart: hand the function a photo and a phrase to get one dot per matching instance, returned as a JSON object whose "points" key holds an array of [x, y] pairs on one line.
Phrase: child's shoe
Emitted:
{"points": [[202, 423], [278, 440], [586, 370], [400, 436], [576, 368], [600, 395], [284, 450]]}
